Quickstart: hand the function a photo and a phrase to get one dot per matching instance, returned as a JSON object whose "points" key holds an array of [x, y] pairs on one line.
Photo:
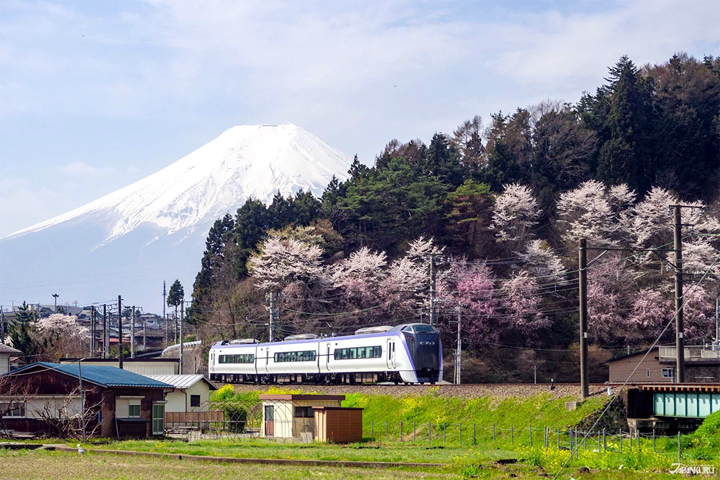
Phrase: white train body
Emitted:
{"points": [[407, 353]]}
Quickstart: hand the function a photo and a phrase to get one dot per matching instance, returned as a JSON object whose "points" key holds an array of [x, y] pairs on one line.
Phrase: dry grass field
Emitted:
{"points": [[32, 465]]}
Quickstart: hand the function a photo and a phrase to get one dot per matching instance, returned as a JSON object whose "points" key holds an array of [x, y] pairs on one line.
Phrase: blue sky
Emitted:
{"points": [[95, 95]]}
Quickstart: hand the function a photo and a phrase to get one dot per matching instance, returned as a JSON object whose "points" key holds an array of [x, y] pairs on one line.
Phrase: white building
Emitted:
{"points": [[5, 353], [191, 394]]}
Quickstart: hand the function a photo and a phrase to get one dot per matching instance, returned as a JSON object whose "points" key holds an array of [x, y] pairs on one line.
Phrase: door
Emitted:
{"points": [[269, 421], [158, 419], [390, 353]]}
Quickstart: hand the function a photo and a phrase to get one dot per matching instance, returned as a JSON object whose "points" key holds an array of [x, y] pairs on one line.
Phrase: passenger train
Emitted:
{"points": [[403, 354]]}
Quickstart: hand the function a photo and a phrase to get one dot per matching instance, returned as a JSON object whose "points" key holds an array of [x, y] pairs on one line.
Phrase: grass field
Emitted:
{"points": [[32, 464]]}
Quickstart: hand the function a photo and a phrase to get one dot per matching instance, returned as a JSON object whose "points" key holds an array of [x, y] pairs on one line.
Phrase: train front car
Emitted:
{"points": [[425, 351]]}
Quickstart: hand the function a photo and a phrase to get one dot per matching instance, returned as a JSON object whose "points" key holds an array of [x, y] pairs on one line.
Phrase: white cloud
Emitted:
{"points": [[22, 203], [82, 169]]}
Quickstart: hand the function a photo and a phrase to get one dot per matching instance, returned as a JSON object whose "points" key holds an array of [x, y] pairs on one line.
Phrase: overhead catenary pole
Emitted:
{"points": [[132, 333], [271, 333], [106, 336], [3, 327], [182, 309], [717, 320], [458, 350], [432, 289], [167, 331], [92, 331], [120, 334], [582, 280], [679, 321]]}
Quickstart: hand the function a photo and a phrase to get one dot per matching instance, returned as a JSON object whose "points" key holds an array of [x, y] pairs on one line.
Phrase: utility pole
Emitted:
{"points": [[120, 342], [182, 307], [582, 279], [432, 289], [717, 321], [92, 331], [272, 298], [132, 333], [458, 350], [82, 399], [55, 295], [144, 325], [3, 327], [106, 336], [679, 321], [167, 338]]}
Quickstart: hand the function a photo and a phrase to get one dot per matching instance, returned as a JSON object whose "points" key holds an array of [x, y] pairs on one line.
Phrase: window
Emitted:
{"points": [[194, 400], [647, 374], [304, 412], [134, 411], [12, 409], [238, 358], [667, 373], [357, 352], [305, 356]]}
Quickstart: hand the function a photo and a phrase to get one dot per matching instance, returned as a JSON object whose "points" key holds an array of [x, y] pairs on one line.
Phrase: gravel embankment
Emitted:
{"points": [[506, 390]]}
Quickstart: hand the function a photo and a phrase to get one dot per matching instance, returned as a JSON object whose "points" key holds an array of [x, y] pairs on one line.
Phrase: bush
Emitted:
{"points": [[235, 417]]}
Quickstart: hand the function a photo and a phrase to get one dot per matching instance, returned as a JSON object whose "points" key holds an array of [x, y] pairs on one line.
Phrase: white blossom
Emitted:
{"points": [[284, 261], [515, 214], [540, 259]]}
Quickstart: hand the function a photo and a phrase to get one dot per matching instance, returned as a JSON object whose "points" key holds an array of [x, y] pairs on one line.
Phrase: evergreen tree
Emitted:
{"points": [[251, 225], [175, 296], [20, 329]]}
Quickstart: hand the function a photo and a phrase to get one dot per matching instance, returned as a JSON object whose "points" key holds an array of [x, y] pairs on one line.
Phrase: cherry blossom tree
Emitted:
{"points": [[540, 260], [515, 213], [594, 212], [651, 311], [698, 313], [609, 288], [521, 303], [361, 274], [285, 261]]}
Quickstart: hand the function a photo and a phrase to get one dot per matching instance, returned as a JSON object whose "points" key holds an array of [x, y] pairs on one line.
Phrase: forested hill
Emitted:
{"points": [[502, 207]]}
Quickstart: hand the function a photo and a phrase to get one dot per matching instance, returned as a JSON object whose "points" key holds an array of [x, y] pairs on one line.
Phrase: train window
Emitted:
{"points": [[424, 329], [357, 352], [237, 358], [304, 356]]}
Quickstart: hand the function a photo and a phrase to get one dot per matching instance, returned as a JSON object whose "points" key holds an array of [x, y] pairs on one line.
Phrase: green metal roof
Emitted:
{"points": [[102, 375]]}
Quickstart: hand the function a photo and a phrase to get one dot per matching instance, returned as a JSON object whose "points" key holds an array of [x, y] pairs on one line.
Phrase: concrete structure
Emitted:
{"points": [[292, 416], [5, 354], [338, 425], [191, 394], [42, 396], [141, 366], [702, 365]]}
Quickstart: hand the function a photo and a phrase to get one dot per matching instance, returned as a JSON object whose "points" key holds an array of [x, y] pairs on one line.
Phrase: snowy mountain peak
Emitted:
{"points": [[243, 162]]}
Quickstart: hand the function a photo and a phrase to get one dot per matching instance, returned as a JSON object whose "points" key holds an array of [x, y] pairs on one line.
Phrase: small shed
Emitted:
{"points": [[338, 425], [191, 394], [292, 415], [6, 353]]}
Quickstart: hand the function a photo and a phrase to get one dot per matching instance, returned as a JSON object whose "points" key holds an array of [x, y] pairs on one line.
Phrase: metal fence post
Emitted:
{"points": [[494, 432], [413, 431], [620, 435], [387, 431], [444, 432], [558, 438], [654, 441], [429, 433], [474, 439], [530, 429], [372, 431], [460, 434], [547, 434], [512, 434], [679, 447], [401, 431], [604, 441], [570, 431]]}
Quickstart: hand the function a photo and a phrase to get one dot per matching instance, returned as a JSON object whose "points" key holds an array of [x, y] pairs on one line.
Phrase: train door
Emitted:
{"points": [[269, 421], [266, 357], [390, 353]]}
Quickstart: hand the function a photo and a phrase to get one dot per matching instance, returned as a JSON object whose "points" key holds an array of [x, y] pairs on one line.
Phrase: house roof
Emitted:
{"points": [[105, 376], [634, 354], [182, 381], [8, 349]]}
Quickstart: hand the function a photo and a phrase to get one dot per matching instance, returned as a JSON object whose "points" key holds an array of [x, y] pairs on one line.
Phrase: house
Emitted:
{"points": [[45, 398], [6, 353], [292, 415], [702, 365], [191, 394]]}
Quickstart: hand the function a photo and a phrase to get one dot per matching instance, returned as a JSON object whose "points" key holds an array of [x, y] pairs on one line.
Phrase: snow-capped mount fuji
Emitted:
{"points": [[130, 240]]}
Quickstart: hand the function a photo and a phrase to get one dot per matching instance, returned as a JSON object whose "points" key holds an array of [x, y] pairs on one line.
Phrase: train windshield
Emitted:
{"points": [[424, 329]]}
